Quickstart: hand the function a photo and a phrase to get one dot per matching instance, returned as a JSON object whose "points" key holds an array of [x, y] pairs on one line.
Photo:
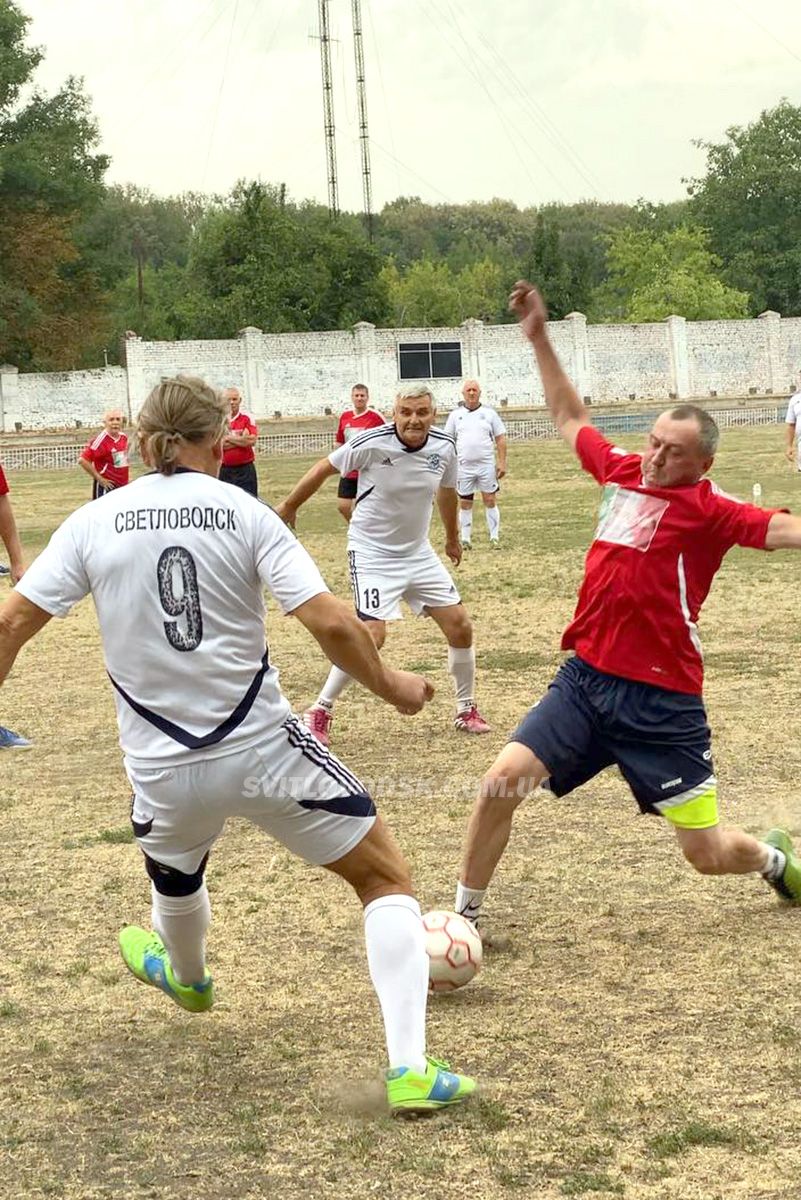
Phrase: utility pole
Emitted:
{"points": [[364, 141], [328, 108]]}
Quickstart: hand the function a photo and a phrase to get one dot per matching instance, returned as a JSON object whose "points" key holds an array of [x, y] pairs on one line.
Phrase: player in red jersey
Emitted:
{"points": [[239, 456], [631, 694], [10, 539], [351, 423], [106, 456], [9, 535]]}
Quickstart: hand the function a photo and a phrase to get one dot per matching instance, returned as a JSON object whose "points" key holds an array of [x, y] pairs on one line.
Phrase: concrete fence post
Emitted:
{"points": [[580, 347], [472, 348], [772, 327], [680, 384], [253, 374], [10, 404], [364, 346]]}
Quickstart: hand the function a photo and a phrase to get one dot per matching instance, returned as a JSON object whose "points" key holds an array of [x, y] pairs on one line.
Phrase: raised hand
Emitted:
{"points": [[529, 307]]}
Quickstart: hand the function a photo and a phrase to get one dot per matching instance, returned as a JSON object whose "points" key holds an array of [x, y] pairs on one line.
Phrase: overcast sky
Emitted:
{"points": [[467, 99]]}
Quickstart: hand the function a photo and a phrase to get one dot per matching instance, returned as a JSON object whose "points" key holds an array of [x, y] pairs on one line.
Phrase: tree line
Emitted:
{"points": [[81, 262]]}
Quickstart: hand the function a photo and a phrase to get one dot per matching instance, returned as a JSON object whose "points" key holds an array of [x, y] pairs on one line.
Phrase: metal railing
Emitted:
{"points": [[62, 456]]}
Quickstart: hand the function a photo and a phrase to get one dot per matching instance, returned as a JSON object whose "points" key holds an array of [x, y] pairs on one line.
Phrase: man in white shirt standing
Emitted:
{"points": [[402, 468], [793, 433], [479, 432]]}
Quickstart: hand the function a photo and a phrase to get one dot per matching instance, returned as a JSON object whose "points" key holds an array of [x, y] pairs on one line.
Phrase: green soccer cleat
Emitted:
{"points": [[145, 957], [789, 885], [426, 1091]]}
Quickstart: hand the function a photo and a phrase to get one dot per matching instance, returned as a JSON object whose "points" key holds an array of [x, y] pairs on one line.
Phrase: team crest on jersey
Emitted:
{"points": [[628, 518], [434, 462]]}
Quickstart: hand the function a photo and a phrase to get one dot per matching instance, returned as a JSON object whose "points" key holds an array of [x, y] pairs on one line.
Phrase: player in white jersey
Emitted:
{"points": [[176, 563], [402, 468], [478, 432], [792, 425]]}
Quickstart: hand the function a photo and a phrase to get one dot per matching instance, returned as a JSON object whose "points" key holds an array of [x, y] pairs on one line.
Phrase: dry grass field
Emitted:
{"points": [[640, 1035]]}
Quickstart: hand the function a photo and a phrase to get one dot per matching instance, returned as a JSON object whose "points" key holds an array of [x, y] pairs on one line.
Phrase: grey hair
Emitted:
{"points": [[708, 432], [416, 391]]}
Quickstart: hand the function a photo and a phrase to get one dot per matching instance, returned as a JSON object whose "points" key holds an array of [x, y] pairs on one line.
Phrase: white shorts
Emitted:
{"points": [[290, 785], [379, 583], [477, 479]]}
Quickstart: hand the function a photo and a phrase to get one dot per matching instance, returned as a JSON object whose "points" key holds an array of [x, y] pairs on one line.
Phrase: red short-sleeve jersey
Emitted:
{"points": [[3, 483], [237, 456], [649, 569], [350, 424], [110, 457]]}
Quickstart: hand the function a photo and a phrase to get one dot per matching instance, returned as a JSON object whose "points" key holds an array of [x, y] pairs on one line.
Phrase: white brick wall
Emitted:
{"points": [[60, 399], [304, 373]]}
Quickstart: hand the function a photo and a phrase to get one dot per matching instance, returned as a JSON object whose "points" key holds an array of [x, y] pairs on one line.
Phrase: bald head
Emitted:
{"points": [[113, 420], [471, 392], [234, 398]]}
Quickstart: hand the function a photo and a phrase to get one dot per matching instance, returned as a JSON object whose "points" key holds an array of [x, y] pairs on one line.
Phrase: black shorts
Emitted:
{"points": [[347, 488], [660, 740], [243, 476], [99, 490]]}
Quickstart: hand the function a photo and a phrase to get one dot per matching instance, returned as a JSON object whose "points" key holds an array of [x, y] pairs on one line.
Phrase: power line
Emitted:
{"points": [[411, 171], [219, 93], [540, 116], [377, 59], [503, 121], [742, 9]]}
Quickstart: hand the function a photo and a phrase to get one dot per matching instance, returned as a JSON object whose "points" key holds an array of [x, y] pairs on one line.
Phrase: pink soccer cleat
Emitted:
{"points": [[318, 721], [470, 720]]}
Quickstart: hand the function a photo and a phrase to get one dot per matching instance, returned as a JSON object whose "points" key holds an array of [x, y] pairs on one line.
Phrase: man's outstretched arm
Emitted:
{"points": [[346, 643], [314, 479], [784, 532], [569, 412]]}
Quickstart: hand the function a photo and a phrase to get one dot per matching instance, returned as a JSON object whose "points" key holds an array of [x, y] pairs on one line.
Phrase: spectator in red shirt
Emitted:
{"points": [[354, 421], [631, 694], [106, 456], [10, 539], [239, 459], [9, 535]]}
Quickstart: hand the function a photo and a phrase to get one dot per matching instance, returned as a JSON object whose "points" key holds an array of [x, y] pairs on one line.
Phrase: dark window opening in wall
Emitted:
{"points": [[430, 360]]}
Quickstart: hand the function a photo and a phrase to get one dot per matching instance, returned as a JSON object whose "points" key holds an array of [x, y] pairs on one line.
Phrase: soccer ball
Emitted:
{"points": [[454, 950]]}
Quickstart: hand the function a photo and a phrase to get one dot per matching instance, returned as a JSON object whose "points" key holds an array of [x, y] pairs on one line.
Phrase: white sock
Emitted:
{"points": [[466, 524], [776, 862], [462, 667], [181, 923], [493, 520], [468, 901], [396, 954], [333, 687]]}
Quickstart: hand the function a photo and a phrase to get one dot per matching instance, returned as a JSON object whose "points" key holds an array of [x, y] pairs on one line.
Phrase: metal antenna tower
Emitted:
{"points": [[364, 140], [328, 109]]}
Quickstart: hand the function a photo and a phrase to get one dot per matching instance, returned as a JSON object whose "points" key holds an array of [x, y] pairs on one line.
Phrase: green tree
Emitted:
{"points": [[653, 275], [128, 217], [51, 306], [750, 201], [481, 290], [423, 296], [255, 258]]}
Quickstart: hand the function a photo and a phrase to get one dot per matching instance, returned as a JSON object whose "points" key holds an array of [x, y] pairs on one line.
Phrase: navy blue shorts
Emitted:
{"points": [[588, 720]]}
